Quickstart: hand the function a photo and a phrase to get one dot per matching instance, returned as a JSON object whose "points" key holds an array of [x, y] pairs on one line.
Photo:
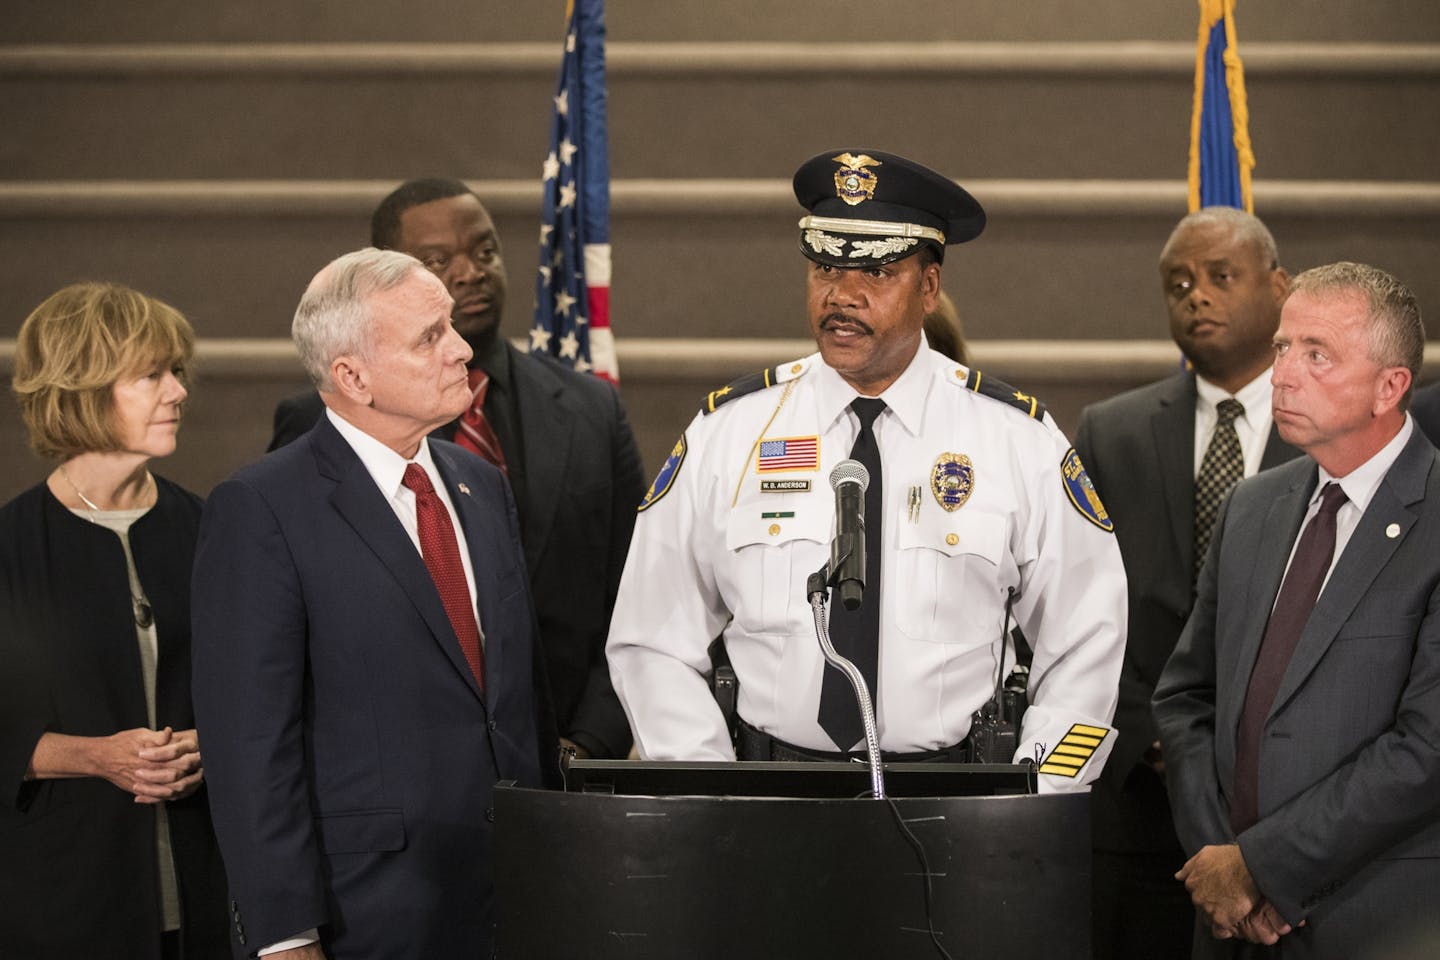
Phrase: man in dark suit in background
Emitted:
{"points": [[1144, 451], [365, 658], [1300, 712], [564, 441], [1425, 408]]}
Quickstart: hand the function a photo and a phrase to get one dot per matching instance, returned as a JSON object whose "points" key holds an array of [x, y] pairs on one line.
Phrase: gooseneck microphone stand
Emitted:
{"points": [[817, 587]]}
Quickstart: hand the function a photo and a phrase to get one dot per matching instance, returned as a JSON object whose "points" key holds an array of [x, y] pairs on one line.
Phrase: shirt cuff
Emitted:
{"points": [[299, 940]]}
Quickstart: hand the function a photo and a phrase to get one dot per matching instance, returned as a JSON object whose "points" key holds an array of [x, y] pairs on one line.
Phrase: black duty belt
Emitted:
{"points": [[755, 744]]}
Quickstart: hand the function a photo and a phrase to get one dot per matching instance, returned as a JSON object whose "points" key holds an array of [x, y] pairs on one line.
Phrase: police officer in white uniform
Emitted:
{"points": [[983, 505]]}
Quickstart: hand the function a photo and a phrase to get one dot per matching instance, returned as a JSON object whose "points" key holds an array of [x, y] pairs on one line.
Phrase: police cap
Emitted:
{"points": [[868, 208]]}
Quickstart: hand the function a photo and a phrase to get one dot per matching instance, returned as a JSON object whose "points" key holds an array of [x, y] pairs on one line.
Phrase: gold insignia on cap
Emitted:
{"points": [[853, 182], [952, 480]]}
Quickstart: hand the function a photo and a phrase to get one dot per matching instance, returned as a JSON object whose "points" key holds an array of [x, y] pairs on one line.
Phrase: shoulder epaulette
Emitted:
{"points": [[995, 389], [751, 383]]}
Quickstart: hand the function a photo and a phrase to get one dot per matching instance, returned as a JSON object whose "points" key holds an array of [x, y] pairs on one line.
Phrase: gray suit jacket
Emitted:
{"points": [[1349, 832], [1138, 449]]}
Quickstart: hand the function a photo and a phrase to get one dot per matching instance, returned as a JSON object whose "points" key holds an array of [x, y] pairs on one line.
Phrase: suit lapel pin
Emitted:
{"points": [[464, 489], [1392, 531]]}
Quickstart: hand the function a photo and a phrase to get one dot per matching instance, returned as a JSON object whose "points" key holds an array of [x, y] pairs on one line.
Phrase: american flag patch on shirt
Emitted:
{"points": [[791, 453]]}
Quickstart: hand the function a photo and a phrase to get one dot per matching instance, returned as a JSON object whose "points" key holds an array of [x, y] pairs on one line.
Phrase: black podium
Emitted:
{"points": [[796, 874]]}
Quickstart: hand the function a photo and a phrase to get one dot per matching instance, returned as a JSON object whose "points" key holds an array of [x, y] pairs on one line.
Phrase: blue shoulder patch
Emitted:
{"points": [[1082, 492], [669, 470]]}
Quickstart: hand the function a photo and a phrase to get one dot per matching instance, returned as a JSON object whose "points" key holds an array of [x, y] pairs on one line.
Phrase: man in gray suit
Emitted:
{"points": [[1300, 712], [1144, 450]]}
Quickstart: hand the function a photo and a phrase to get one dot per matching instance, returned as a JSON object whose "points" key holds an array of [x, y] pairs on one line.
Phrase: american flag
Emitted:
{"points": [[1220, 153], [572, 290], [791, 453]]}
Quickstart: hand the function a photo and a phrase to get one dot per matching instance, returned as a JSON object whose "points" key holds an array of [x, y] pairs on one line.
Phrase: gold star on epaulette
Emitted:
{"points": [[1004, 392], [739, 388]]}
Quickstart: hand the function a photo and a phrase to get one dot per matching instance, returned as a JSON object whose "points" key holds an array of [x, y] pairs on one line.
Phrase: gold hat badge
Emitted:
{"points": [[853, 182]]}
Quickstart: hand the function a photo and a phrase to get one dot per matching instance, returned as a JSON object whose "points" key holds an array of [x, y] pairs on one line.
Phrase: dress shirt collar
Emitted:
{"points": [[905, 397], [1361, 483], [1254, 397], [384, 465]]}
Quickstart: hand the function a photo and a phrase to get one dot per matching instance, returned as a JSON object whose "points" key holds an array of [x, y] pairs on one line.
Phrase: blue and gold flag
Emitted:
{"points": [[1220, 155]]}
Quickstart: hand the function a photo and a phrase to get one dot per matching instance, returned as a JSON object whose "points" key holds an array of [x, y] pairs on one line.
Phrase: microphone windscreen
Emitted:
{"points": [[850, 471]]}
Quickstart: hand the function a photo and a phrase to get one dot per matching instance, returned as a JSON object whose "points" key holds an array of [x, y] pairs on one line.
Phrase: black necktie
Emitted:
{"points": [[856, 633], [1220, 469], [1287, 621]]}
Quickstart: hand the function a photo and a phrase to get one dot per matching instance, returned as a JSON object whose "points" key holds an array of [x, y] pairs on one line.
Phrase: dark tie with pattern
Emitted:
{"points": [[856, 633], [442, 557], [475, 432], [1287, 621], [1220, 469]]}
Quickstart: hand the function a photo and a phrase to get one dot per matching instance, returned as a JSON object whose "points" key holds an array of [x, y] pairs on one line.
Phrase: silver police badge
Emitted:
{"points": [[952, 480], [853, 182]]}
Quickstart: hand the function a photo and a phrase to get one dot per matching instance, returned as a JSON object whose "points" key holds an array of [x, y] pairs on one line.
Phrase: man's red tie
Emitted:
{"points": [[475, 432], [442, 556]]}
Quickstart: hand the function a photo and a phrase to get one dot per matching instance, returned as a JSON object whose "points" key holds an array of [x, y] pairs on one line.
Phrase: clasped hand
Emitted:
{"points": [[1222, 888], [154, 765]]}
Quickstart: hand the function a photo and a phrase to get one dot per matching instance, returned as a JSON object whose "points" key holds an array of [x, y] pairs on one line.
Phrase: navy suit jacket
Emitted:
{"points": [[1349, 793], [350, 754], [1139, 450], [582, 483]]}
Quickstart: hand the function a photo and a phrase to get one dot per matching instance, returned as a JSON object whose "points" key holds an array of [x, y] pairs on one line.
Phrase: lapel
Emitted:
{"points": [[549, 431], [483, 520], [1172, 427], [1366, 554], [359, 501], [1252, 583]]}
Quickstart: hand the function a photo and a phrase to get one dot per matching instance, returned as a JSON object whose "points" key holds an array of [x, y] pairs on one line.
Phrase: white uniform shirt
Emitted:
{"points": [[723, 546]]}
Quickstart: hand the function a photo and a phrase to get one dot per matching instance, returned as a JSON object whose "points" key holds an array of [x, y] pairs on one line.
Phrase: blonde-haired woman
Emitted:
{"points": [[108, 849]]}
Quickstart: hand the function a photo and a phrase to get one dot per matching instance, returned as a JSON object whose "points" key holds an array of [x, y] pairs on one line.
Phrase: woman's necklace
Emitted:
{"points": [[144, 615]]}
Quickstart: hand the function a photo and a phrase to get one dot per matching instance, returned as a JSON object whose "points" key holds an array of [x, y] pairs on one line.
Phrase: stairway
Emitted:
{"points": [[217, 157]]}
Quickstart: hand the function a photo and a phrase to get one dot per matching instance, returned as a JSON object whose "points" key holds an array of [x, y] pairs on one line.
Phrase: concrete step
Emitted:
{"points": [[1111, 111], [708, 258], [91, 21], [238, 383]]}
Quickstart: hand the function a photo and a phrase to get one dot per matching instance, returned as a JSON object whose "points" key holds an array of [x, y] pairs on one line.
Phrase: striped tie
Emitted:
{"points": [[475, 433]]}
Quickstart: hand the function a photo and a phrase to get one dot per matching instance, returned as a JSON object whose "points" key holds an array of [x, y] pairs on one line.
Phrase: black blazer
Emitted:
{"points": [[77, 856], [351, 755], [583, 482], [1138, 449]]}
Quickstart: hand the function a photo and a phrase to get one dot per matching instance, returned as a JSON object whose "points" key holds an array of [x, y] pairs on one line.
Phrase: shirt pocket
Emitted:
{"points": [[948, 577], [771, 558]]}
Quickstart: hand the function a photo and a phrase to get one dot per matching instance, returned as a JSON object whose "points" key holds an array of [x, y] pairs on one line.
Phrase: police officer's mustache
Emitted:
{"points": [[832, 320]]}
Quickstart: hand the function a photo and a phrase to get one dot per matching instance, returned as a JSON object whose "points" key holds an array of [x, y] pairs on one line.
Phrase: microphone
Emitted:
{"points": [[849, 480]]}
